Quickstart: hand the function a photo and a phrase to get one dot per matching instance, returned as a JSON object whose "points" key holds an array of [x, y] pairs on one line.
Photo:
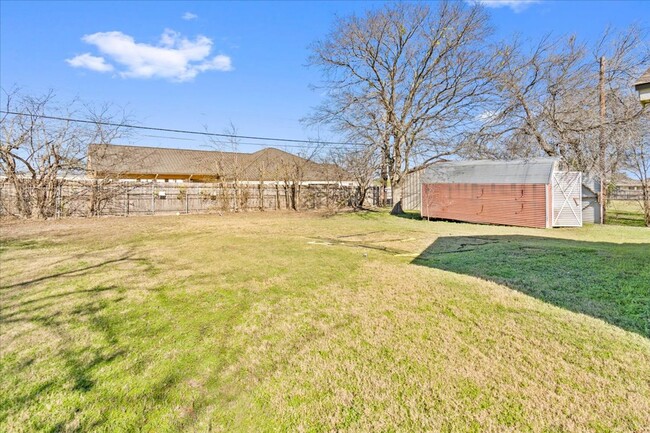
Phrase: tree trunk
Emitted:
{"points": [[396, 191], [37, 210], [646, 203], [361, 197]]}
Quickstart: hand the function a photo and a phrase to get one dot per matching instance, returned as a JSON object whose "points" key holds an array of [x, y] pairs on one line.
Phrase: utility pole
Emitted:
{"points": [[602, 143]]}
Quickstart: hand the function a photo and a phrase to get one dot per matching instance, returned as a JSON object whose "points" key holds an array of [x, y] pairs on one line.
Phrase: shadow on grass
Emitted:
{"points": [[80, 360], [73, 272], [75, 357], [631, 219], [604, 280], [93, 337], [77, 336], [409, 215], [15, 316]]}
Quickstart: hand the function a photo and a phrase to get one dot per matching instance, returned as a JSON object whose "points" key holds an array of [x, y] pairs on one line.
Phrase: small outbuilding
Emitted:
{"points": [[527, 193], [642, 86]]}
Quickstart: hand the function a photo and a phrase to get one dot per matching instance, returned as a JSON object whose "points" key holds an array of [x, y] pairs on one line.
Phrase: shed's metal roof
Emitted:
{"points": [[536, 170]]}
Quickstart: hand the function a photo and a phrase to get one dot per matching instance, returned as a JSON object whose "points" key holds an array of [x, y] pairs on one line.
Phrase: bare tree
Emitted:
{"points": [[41, 147], [291, 171], [230, 168], [567, 100], [33, 153], [262, 177], [637, 161], [362, 165], [405, 79], [105, 187]]}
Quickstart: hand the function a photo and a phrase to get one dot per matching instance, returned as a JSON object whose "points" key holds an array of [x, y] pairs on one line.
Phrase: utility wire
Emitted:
{"points": [[183, 131], [243, 143]]}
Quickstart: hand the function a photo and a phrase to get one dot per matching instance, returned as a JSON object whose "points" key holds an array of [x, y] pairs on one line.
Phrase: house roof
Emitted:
{"points": [[528, 171], [268, 163], [643, 79]]}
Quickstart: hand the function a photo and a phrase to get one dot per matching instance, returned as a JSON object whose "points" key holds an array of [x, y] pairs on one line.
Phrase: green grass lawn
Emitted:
{"points": [[301, 322], [606, 280], [625, 212]]}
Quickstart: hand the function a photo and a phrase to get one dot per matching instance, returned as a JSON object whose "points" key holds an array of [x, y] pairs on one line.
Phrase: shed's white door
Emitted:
{"points": [[567, 199]]}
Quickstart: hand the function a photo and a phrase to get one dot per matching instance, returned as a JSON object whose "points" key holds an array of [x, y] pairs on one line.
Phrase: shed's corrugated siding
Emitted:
{"points": [[549, 206], [509, 204], [590, 204]]}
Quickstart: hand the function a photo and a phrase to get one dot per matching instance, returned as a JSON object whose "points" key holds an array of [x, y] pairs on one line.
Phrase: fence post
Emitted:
{"points": [[57, 202], [126, 203], [153, 198], [187, 200]]}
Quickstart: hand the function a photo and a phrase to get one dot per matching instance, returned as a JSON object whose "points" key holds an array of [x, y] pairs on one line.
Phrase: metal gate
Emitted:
{"points": [[567, 199]]}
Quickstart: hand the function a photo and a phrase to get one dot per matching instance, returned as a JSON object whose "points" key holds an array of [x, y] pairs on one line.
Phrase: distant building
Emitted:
{"points": [[643, 87], [627, 189], [141, 163]]}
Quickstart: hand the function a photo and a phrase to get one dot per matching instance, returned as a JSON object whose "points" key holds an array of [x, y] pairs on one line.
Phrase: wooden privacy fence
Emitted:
{"points": [[412, 190], [74, 198], [623, 194]]}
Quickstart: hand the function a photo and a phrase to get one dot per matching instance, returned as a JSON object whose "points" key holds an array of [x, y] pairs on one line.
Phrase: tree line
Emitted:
{"points": [[418, 83], [46, 149], [421, 83]]}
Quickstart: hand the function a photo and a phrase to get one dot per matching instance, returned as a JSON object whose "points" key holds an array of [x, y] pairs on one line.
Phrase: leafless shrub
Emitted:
{"points": [[40, 146], [363, 165]]}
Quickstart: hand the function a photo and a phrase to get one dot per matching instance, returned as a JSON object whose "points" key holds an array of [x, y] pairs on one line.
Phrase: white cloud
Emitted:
{"points": [[189, 16], [174, 57], [91, 62], [516, 5]]}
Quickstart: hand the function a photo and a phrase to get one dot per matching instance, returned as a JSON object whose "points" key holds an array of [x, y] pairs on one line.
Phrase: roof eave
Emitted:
{"points": [[643, 79]]}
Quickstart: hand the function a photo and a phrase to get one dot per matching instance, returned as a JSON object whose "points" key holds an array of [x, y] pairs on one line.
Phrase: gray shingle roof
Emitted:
{"points": [[643, 79], [270, 163], [536, 170]]}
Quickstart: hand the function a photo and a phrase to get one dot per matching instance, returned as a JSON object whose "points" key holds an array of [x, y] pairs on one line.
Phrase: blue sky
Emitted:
{"points": [[188, 65]]}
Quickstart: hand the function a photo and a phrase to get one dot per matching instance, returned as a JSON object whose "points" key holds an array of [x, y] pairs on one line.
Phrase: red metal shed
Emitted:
{"points": [[528, 193]]}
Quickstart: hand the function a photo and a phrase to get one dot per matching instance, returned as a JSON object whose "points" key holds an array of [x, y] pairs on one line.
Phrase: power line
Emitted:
{"points": [[183, 131], [167, 137], [243, 143]]}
